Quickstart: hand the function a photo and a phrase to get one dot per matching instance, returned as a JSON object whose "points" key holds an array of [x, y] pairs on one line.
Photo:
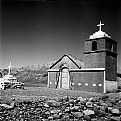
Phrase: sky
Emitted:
{"points": [[38, 32]]}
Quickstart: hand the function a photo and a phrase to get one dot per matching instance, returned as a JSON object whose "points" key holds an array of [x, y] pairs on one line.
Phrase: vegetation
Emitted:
{"points": [[32, 77]]}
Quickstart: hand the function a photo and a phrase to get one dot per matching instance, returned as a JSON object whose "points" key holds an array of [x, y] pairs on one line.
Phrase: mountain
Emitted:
{"points": [[32, 76]]}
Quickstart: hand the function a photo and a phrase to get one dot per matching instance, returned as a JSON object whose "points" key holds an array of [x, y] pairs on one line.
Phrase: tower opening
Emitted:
{"points": [[94, 45]]}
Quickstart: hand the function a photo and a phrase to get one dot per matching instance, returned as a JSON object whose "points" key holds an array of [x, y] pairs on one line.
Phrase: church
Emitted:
{"points": [[96, 73]]}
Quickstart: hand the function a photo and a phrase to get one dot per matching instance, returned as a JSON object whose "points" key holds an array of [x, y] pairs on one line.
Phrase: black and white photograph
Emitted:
{"points": [[60, 60]]}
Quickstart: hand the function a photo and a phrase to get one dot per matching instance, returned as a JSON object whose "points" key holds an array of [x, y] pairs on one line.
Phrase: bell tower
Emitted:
{"points": [[100, 51]]}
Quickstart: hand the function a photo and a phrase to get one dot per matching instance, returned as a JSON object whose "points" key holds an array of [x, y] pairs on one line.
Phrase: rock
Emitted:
{"points": [[21, 112], [102, 119], [82, 101], [109, 104], [96, 105], [60, 114], [115, 118], [95, 99], [55, 111], [90, 99], [93, 119], [82, 107], [75, 108], [78, 114], [113, 101], [107, 119], [71, 100], [89, 104], [110, 108], [46, 105], [105, 97], [56, 116], [79, 98], [104, 108], [8, 106], [63, 107], [41, 105], [50, 117], [38, 109], [87, 118], [47, 113], [67, 110], [118, 104], [88, 112], [53, 103], [98, 112], [66, 117], [115, 111], [104, 104], [65, 99]]}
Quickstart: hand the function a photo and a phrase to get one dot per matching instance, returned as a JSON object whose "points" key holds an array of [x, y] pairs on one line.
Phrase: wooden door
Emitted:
{"points": [[65, 78]]}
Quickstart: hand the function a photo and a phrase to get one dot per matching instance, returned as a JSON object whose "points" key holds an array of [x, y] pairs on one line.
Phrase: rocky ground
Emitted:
{"points": [[43, 104], [63, 109]]}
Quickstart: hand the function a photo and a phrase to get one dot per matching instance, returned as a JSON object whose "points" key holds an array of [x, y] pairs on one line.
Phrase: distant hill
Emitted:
{"points": [[31, 76]]}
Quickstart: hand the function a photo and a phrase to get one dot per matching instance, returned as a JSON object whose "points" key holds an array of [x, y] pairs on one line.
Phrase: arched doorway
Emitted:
{"points": [[65, 78]]}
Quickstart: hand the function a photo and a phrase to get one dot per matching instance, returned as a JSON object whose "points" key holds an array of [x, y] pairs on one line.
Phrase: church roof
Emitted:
{"points": [[77, 62], [100, 33]]}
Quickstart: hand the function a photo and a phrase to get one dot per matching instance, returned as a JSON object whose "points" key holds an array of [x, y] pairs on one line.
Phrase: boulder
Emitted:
{"points": [[88, 112], [55, 111], [104, 108], [98, 112], [118, 103], [53, 103], [67, 110], [82, 101], [8, 106], [115, 118], [89, 104], [87, 118], [105, 97], [115, 111], [50, 118], [78, 114]]}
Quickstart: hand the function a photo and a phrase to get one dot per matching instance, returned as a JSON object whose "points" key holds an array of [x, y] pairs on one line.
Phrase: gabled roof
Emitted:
{"points": [[78, 62]]}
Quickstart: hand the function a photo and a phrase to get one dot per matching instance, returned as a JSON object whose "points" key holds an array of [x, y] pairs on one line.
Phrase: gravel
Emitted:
{"points": [[45, 105]]}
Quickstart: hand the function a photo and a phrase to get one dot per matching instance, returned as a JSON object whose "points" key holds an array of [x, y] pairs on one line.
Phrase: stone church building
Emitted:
{"points": [[96, 73]]}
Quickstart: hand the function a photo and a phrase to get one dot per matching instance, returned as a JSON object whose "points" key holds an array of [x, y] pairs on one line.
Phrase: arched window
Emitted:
{"points": [[111, 47], [94, 45]]}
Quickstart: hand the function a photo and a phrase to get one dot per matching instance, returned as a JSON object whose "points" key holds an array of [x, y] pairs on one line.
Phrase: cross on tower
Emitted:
{"points": [[100, 25], [9, 68]]}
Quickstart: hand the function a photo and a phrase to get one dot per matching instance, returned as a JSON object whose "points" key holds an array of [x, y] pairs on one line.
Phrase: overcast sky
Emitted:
{"points": [[40, 32]]}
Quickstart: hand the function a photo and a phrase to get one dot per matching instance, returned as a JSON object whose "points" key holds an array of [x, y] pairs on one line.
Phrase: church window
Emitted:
{"points": [[94, 45], [111, 47]]}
